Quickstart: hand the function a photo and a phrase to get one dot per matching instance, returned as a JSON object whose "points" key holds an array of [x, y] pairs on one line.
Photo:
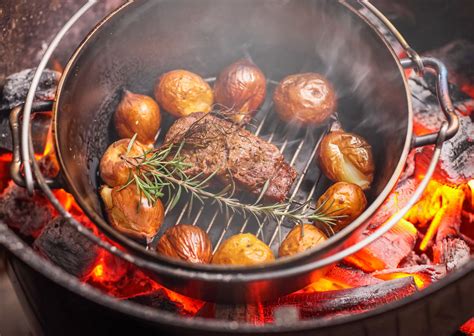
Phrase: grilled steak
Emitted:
{"points": [[213, 144]]}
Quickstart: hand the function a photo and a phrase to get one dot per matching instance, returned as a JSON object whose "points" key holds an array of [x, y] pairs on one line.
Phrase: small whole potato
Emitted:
{"points": [[241, 88], [347, 157], [342, 199], [182, 92], [130, 213], [186, 242], [243, 249], [297, 241], [137, 114], [114, 168], [306, 98]]}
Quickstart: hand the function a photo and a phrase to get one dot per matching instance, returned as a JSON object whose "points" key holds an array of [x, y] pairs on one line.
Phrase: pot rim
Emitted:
{"points": [[284, 267]]}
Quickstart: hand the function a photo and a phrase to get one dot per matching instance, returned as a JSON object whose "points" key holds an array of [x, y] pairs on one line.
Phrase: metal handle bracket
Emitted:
{"points": [[16, 166]]}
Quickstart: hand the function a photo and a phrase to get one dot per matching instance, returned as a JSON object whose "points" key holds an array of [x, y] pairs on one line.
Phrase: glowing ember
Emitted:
{"points": [[387, 251], [5, 161], [468, 327], [423, 275]]}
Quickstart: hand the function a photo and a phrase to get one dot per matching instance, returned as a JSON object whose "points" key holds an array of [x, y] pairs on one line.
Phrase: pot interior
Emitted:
{"points": [[145, 39]]}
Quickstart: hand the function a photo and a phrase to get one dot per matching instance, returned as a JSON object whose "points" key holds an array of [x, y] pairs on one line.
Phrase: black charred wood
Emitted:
{"points": [[17, 85], [66, 247], [25, 213], [428, 273], [160, 300], [345, 301]]}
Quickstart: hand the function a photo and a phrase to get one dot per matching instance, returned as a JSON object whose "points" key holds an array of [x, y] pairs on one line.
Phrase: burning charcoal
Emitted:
{"points": [[414, 259], [28, 214], [451, 222], [467, 216], [446, 221], [160, 300], [457, 156], [17, 85], [468, 189], [61, 243], [423, 275], [468, 327], [453, 253], [350, 277], [342, 276], [395, 201], [387, 251], [345, 301], [422, 213], [49, 165]]}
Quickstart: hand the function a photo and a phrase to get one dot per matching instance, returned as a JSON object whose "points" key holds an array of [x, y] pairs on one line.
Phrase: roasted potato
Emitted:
{"points": [[243, 249], [114, 168], [186, 242], [347, 157], [305, 99], [181, 93], [137, 114], [298, 240], [240, 88], [132, 214], [342, 199]]}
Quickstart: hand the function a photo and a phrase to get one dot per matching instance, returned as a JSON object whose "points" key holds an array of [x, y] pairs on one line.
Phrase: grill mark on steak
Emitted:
{"points": [[213, 144]]}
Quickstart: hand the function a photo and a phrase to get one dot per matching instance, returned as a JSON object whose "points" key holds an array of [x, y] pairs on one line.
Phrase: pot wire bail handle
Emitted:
{"points": [[421, 66], [25, 129], [411, 53]]}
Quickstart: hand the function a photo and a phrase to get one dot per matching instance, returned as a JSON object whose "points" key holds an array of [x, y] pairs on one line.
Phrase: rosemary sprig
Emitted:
{"points": [[160, 172]]}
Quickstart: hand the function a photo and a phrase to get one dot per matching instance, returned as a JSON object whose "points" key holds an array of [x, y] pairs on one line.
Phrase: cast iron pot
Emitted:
{"points": [[141, 40]]}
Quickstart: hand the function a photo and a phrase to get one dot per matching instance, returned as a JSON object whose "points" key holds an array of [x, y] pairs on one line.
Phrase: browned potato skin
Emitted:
{"points": [[138, 114], [244, 250], [306, 98], [295, 243], [343, 199], [131, 214], [186, 242], [241, 87], [114, 169], [338, 149], [182, 92]]}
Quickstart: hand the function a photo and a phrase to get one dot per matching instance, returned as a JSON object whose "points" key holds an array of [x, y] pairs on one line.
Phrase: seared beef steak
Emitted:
{"points": [[213, 144]]}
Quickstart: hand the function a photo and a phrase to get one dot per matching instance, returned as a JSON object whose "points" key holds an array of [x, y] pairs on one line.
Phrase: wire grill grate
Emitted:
{"points": [[297, 144]]}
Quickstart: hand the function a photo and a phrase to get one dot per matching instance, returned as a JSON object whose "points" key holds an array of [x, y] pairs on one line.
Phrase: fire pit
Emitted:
{"points": [[415, 279]]}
